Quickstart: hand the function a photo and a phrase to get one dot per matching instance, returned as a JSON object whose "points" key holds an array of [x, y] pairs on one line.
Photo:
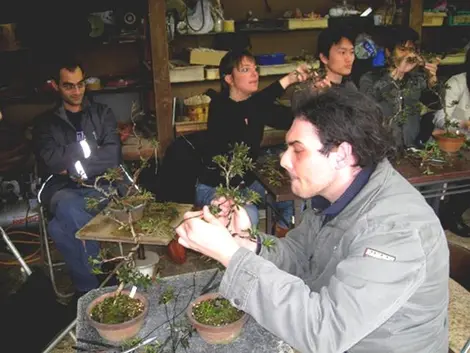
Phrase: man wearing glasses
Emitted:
{"points": [[78, 140]]}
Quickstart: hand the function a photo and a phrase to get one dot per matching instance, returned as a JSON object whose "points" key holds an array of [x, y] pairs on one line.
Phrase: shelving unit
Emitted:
{"points": [[157, 59]]}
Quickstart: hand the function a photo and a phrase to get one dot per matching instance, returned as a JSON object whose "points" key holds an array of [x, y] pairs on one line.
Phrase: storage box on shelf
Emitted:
{"points": [[461, 18], [433, 19], [188, 73], [206, 56], [453, 59], [304, 23]]}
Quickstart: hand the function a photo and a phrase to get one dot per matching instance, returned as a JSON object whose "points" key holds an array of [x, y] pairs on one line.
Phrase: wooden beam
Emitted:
{"points": [[416, 15], [161, 73]]}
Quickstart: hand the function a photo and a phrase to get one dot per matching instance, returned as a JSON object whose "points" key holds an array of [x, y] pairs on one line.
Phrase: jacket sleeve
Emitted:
{"points": [[55, 157], [363, 293], [453, 94], [106, 152], [275, 115], [270, 93], [380, 89]]}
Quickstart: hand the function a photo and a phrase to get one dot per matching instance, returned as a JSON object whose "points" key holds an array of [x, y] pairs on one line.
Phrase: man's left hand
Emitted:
{"points": [[207, 236]]}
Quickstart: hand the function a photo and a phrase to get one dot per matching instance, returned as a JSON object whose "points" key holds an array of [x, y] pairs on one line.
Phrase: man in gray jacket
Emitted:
{"points": [[367, 268]]}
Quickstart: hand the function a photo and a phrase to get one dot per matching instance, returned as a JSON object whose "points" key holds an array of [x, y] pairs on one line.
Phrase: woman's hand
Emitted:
{"points": [[300, 74]]}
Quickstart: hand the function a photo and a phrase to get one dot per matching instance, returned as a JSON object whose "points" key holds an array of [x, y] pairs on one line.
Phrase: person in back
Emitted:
{"points": [[403, 85], [78, 140], [457, 100], [239, 114]]}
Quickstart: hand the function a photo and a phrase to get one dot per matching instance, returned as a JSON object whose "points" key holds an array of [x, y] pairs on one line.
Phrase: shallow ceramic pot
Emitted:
{"points": [[122, 216], [117, 333], [215, 334]]}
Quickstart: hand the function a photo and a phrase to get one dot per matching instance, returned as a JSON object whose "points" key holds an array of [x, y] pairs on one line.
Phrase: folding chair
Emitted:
{"points": [[46, 258]]}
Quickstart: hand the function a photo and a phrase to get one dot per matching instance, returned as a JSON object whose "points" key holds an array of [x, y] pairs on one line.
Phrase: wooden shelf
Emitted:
{"points": [[124, 89], [271, 137]]}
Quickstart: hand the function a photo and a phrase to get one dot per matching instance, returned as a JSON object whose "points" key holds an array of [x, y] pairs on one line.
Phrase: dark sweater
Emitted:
{"points": [[230, 122]]}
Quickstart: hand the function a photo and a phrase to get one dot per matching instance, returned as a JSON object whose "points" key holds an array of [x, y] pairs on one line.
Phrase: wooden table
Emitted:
{"points": [[102, 228], [447, 179]]}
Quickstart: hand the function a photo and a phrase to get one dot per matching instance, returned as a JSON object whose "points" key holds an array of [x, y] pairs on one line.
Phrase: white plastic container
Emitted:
{"points": [[147, 266]]}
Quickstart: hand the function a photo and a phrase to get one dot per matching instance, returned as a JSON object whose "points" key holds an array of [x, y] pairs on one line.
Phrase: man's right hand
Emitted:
{"points": [[234, 218], [64, 172], [404, 65]]}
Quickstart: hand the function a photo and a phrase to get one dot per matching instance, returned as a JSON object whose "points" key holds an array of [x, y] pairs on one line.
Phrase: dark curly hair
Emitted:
{"points": [[342, 114]]}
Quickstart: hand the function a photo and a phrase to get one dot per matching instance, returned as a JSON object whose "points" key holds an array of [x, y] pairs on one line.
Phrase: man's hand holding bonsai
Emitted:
{"points": [[217, 237]]}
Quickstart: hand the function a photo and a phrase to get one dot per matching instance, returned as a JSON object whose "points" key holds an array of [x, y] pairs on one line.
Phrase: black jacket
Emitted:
{"points": [[56, 147], [230, 122]]}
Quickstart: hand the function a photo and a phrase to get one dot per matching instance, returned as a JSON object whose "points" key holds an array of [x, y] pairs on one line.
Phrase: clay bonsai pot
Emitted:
{"points": [[116, 333], [449, 144], [215, 334], [122, 216]]}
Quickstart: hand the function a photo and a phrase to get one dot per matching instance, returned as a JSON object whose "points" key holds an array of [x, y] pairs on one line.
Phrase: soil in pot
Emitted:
{"points": [[118, 318], [215, 319], [449, 143]]}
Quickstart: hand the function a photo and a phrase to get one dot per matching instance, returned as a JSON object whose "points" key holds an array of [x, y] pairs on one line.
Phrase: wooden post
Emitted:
{"points": [[161, 73], [416, 15]]}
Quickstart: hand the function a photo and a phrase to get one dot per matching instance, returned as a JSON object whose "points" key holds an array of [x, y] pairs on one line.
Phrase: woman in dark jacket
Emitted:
{"points": [[239, 113]]}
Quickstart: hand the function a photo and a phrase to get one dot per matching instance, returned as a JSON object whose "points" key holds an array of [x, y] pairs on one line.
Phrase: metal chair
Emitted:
{"points": [[46, 258]]}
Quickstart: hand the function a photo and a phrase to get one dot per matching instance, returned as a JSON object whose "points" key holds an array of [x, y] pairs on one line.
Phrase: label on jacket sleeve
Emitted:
{"points": [[378, 255]]}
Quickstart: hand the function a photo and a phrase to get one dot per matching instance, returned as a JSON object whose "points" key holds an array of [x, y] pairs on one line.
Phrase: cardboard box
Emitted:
{"points": [[187, 74], [205, 56]]}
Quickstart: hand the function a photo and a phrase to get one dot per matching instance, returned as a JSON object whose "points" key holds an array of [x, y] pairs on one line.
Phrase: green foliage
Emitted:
{"points": [[216, 312], [128, 344], [236, 163], [167, 296], [128, 274], [271, 170], [157, 216], [233, 165]]}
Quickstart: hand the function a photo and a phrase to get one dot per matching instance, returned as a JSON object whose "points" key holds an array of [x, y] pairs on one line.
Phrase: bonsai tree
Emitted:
{"points": [[211, 309], [118, 316], [271, 170], [233, 167], [130, 205]]}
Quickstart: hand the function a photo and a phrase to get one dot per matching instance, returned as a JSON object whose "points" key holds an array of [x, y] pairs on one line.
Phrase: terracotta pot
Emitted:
{"points": [[117, 333], [177, 252], [215, 334], [449, 144], [121, 215]]}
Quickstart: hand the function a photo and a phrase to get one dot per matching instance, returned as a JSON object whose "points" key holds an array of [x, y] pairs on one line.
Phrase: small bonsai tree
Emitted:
{"points": [[271, 170], [120, 307], [233, 168]]}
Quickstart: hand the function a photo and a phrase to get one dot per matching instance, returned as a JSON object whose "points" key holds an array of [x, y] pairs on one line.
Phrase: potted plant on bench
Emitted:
{"points": [[119, 315], [215, 319]]}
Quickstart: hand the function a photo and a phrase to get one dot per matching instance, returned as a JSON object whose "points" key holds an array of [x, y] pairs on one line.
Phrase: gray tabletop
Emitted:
{"points": [[186, 287]]}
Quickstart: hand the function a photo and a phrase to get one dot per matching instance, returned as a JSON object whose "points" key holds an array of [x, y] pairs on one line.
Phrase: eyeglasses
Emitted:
{"points": [[70, 86], [247, 69]]}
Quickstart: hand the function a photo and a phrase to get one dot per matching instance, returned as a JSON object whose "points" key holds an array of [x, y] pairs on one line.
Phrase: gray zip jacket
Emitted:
{"points": [[373, 279]]}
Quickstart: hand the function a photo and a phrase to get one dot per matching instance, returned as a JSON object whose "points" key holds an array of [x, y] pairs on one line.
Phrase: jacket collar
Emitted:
{"points": [[60, 109]]}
